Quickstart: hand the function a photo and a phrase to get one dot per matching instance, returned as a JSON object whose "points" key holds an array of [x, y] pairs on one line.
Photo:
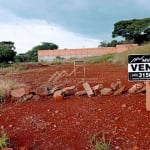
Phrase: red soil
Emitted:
{"points": [[46, 124]]}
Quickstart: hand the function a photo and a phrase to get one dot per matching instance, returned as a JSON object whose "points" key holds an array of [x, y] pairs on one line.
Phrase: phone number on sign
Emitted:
{"points": [[144, 74]]}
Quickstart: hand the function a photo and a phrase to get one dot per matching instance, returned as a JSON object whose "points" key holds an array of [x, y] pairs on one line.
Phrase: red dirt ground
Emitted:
{"points": [[46, 124]]}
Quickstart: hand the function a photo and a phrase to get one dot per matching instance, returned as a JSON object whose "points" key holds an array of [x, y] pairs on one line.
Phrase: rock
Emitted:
{"points": [[2, 127], [56, 111], [142, 90], [58, 95], [77, 123], [81, 93], [119, 83], [114, 86], [10, 126], [135, 147], [42, 90], [6, 148], [135, 88], [116, 118], [77, 114], [130, 108], [68, 91], [26, 97], [117, 148], [36, 97], [17, 93], [106, 91], [68, 88], [28, 90], [23, 148], [88, 89], [96, 88], [55, 88], [120, 90], [123, 105]]}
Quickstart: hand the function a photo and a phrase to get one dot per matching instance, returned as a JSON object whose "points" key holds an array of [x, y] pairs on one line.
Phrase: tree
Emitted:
{"points": [[135, 30], [32, 54], [45, 46], [21, 58], [113, 43], [7, 52]]}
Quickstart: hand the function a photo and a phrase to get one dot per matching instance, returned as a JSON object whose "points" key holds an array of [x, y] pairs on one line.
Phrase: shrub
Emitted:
{"points": [[3, 140], [100, 144]]}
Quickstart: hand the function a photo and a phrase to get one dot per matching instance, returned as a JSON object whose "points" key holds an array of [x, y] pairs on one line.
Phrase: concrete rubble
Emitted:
{"points": [[61, 92]]}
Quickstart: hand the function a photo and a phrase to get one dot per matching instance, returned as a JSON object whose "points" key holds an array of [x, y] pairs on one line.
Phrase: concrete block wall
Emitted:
{"points": [[50, 55]]}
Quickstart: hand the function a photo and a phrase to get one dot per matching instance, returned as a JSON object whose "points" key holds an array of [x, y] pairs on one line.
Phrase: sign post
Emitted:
{"points": [[148, 95], [139, 70]]}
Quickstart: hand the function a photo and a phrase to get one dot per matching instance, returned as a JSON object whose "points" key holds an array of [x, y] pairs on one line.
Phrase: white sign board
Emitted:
{"points": [[138, 67]]}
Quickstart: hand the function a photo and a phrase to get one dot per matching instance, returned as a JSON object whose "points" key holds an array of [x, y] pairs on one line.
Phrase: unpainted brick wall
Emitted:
{"points": [[50, 55]]}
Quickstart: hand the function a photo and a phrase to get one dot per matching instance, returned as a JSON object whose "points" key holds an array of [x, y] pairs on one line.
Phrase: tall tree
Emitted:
{"points": [[135, 30], [32, 54], [45, 46], [7, 51]]}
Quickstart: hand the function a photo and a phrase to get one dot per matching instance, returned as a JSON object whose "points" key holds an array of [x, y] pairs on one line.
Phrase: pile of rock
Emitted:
{"points": [[59, 92]]}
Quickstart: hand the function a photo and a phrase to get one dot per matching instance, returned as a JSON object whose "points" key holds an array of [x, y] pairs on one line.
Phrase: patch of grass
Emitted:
{"points": [[3, 140], [13, 68], [57, 62], [6, 85], [100, 144], [2, 95], [122, 58], [100, 59]]}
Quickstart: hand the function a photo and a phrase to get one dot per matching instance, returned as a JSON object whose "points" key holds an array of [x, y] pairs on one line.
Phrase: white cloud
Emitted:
{"points": [[28, 33]]}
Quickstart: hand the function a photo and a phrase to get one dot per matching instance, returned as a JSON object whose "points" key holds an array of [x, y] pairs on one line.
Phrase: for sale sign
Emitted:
{"points": [[138, 67]]}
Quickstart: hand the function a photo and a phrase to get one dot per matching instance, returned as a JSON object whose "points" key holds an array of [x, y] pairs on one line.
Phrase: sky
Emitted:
{"points": [[67, 23]]}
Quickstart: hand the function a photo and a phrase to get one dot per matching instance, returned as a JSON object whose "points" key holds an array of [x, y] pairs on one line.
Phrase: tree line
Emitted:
{"points": [[132, 31], [8, 53], [135, 31]]}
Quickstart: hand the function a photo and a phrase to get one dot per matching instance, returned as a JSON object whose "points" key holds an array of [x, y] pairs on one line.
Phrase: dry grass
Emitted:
{"points": [[122, 58], [6, 85], [11, 68]]}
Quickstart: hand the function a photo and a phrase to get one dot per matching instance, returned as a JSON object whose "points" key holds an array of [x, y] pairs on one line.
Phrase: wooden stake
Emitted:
{"points": [[148, 95]]}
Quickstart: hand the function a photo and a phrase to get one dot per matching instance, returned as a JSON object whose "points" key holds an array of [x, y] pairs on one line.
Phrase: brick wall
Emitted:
{"points": [[50, 55]]}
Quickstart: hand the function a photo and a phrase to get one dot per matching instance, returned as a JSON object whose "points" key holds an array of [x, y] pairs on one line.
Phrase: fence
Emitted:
{"points": [[50, 55]]}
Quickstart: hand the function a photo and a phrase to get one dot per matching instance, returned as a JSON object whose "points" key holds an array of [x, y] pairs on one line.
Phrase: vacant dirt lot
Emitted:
{"points": [[46, 124]]}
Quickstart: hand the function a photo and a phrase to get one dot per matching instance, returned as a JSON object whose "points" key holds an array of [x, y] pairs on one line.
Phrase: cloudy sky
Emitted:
{"points": [[67, 23]]}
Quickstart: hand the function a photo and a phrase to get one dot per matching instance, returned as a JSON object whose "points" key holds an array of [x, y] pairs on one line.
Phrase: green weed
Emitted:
{"points": [[3, 140], [100, 144]]}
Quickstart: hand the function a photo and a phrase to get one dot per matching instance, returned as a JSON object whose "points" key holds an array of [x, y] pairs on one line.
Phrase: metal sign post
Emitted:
{"points": [[139, 70]]}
